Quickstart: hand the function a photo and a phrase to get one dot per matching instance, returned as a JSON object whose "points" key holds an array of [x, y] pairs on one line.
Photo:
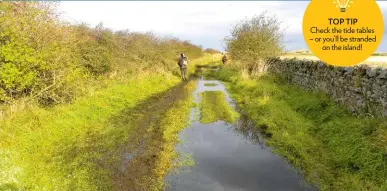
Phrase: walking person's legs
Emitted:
{"points": [[184, 73]]}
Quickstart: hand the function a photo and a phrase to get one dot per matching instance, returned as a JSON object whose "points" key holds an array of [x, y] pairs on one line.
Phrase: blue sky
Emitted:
{"points": [[201, 22]]}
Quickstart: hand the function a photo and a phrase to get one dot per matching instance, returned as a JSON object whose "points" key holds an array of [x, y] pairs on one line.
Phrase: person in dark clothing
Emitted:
{"points": [[183, 64], [224, 58]]}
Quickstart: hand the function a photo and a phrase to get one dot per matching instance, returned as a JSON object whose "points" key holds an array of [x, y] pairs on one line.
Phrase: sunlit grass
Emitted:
{"points": [[78, 146], [335, 150], [56, 149]]}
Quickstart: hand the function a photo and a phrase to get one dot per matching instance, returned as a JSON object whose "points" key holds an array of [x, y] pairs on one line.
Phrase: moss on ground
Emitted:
{"points": [[214, 107]]}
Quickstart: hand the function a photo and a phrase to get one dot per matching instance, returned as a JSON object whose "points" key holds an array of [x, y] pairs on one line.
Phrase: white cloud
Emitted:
{"points": [[205, 23], [382, 5]]}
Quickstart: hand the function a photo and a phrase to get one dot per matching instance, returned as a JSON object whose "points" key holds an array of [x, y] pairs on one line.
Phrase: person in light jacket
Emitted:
{"points": [[183, 64]]}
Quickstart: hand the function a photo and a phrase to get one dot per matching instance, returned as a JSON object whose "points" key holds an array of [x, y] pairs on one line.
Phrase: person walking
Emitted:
{"points": [[183, 64], [224, 58]]}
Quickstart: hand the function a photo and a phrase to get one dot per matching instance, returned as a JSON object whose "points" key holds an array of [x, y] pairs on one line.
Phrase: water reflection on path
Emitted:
{"points": [[230, 157]]}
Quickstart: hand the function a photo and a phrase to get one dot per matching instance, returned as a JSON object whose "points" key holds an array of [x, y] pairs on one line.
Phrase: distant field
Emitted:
{"points": [[378, 59]]}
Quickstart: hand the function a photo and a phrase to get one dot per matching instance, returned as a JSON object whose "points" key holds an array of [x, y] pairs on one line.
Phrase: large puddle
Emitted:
{"points": [[230, 157]]}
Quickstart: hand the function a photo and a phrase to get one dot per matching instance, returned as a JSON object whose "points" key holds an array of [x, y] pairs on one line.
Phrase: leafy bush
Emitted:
{"points": [[35, 53], [95, 49], [255, 40], [52, 62]]}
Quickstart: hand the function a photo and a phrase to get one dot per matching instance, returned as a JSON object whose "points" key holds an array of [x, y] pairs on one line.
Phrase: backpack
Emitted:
{"points": [[183, 63]]}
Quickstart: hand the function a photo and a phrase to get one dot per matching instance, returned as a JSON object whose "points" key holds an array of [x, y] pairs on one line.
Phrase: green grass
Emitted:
{"points": [[214, 107], [210, 84], [64, 147], [80, 146], [335, 150]]}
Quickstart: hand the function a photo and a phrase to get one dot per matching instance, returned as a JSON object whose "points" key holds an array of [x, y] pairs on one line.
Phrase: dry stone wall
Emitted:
{"points": [[362, 89]]}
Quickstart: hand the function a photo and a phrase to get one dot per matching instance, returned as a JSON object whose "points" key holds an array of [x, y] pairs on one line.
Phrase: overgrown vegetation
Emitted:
{"points": [[44, 59], [88, 77], [83, 146], [214, 107], [334, 149]]}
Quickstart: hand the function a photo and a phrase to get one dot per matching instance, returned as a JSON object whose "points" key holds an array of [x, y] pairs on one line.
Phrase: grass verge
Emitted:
{"points": [[334, 149], [214, 107], [76, 146]]}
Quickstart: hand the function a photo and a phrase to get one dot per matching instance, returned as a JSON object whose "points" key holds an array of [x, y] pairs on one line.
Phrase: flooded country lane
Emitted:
{"points": [[229, 156]]}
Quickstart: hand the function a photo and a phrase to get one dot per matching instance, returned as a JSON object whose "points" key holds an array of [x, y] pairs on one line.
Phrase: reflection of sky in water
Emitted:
{"points": [[219, 87], [226, 159]]}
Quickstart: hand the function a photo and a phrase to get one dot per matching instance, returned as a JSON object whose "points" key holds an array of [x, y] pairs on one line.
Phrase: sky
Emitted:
{"points": [[204, 23]]}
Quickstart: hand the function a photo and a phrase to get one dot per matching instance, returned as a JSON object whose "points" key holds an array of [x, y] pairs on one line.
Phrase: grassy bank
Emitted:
{"points": [[46, 60], [214, 107], [64, 90], [76, 146], [335, 150]]}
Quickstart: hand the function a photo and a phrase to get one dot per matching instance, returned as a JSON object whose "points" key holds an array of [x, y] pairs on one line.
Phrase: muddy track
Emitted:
{"points": [[139, 154]]}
